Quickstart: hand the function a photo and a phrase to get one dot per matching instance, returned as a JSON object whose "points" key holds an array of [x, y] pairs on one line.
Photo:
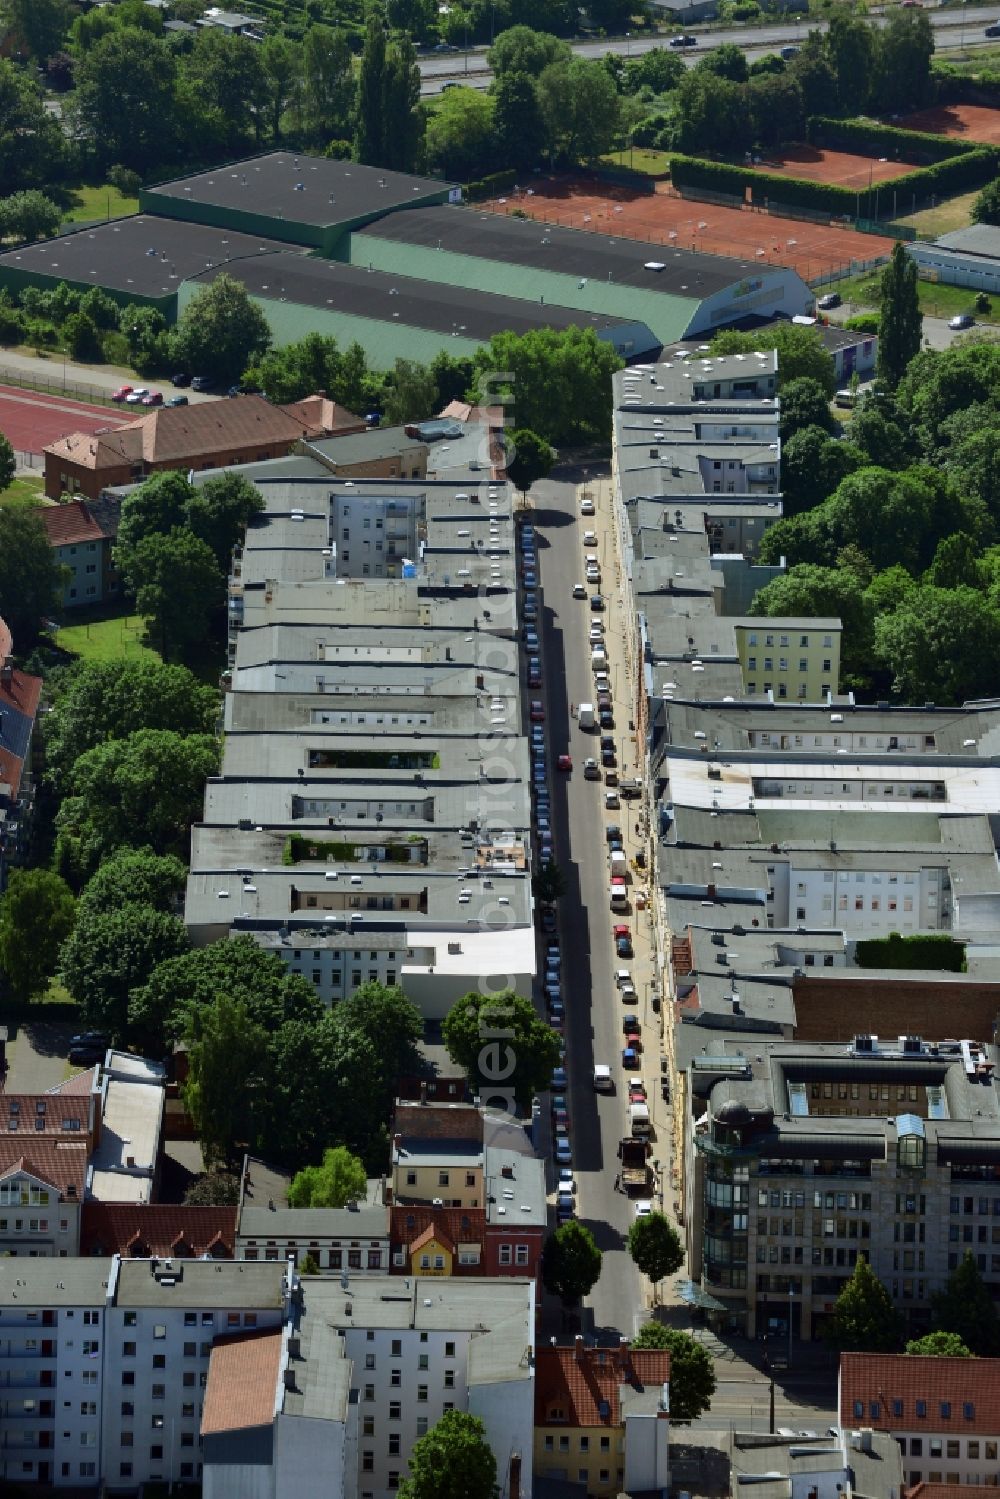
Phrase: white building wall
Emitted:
{"points": [[304, 1449], [948, 1456], [507, 1411], [863, 903], [373, 533], [647, 1452], [62, 1447], [34, 1224]]}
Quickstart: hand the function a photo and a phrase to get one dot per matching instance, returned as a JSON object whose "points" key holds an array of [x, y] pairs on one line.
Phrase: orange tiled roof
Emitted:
{"points": [[318, 416], [68, 525], [451, 1225], [887, 1383], [61, 1164], [22, 693], [157, 1230], [435, 1234], [242, 1382], [583, 1384], [65, 1117], [80, 1085]]}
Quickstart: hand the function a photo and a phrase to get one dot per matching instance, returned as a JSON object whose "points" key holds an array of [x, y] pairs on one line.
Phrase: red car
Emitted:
{"points": [[564, 762], [634, 1040], [122, 391], [155, 398], [636, 1092], [620, 931], [537, 711]]}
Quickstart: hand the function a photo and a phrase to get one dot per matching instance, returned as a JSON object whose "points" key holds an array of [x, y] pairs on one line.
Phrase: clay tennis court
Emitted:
{"points": [[30, 420], [974, 122], [841, 168], [814, 250]]}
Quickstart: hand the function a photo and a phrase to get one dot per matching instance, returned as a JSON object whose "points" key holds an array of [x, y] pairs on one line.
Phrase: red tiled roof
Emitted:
{"points": [[66, 525], [60, 1163], [65, 1117], [318, 416], [577, 1381], [158, 1230], [22, 693], [447, 1223], [80, 1085], [242, 1382], [433, 1233], [879, 1380], [11, 767], [434, 1121]]}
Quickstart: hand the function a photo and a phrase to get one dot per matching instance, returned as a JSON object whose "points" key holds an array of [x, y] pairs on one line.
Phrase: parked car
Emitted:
{"points": [[684, 40], [548, 920], [586, 507], [608, 758], [612, 801], [153, 398], [611, 832], [623, 947], [201, 382], [630, 1059], [562, 1150], [531, 638], [832, 299], [537, 710], [591, 769], [136, 395], [180, 379], [636, 1090], [596, 602], [963, 320], [590, 538], [559, 1079], [643, 1208], [564, 763], [579, 592], [177, 401], [122, 393]]}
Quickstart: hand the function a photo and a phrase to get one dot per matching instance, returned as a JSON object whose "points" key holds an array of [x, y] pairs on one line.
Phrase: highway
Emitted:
{"points": [[952, 32]]}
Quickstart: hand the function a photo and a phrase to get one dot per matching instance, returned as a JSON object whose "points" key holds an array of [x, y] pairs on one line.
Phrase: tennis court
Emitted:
{"points": [[840, 168], [975, 122], [815, 250]]}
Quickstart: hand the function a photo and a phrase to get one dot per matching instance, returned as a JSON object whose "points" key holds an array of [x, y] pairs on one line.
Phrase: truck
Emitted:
{"points": [[585, 715], [630, 786], [638, 1119], [635, 1172]]}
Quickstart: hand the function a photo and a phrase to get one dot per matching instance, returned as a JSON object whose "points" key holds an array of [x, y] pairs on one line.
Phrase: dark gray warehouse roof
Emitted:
{"points": [[331, 191], [572, 252], [144, 256], [385, 297]]}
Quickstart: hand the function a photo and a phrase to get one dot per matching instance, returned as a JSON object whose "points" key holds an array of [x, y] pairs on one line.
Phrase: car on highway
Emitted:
{"points": [[591, 769], [684, 40], [586, 507], [993, 30], [564, 763], [787, 53], [831, 300], [590, 538], [562, 1150], [962, 320], [579, 592], [559, 1079]]}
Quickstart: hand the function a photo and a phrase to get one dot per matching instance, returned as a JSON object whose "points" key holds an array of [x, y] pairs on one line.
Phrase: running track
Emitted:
{"points": [[30, 420]]}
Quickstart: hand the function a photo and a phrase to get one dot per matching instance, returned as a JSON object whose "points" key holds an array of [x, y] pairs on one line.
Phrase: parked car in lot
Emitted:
{"points": [[537, 711], [962, 320], [153, 398], [201, 382], [831, 300], [121, 394], [180, 379], [177, 401]]}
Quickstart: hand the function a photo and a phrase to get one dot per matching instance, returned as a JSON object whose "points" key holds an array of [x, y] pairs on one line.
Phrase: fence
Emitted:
{"points": [[57, 385]]}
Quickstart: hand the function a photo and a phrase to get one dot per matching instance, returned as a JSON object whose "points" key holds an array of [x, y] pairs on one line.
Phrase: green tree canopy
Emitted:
{"points": [[452, 1461], [178, 586], [800, 352], [218, 512], [214, 1189], [548, 884], [411, 393], [810, 592], [460, 134], [531, 458], [33, 149], [571, 1262], [221, 331], [29, 215], [965, 1307], [560, 381], [900, 319], [812, 465], [8, 464], [501, 1043], [579, 107], [37, 912], [904, 51], [941, 645], [340, 1179], [39, 26], [804, 403], [725, 61], [110, 953], [864, 1319], [850, 47], [134, 877], [324, 101], [125, 101], [518, 126], [30, 576], [103, 700], [692, 1373], [655, 1246], [520, 49], [383, 1011], [228, 73], [227, 1078], [152, 509], [986, 208], [938, 1345]]}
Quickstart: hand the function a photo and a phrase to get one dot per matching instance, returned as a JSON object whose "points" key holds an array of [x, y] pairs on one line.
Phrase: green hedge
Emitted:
{"points": [[937, 952], [916, 146], [945, 178], [488, 187]]}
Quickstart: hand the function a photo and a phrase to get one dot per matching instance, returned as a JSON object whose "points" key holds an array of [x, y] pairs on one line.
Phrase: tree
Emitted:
{"points": [[126, 98], [143, 790], [326, 1083], [37, 913], [218, 512], [518, 127], [369, 133], [579, 107], [692, 1375], [864, 1319], [29, 215], [227, 1061], [228, 72], [30, 576], [162, 1009], [940, 644], [403, 118], [800, 352], [326, 101], [8, 464], [33, 149], [339, 1180], [804, 403], [814, 74], [812, 465], [103, 700], [460, 141], [529, 458], [177, 584], [134, 877], [900, 318], [411, 395], [807, 591], [383, 1011], [904, 51], [548, 884], [712, 113], [657, 68], [520, 49], [986, 208], [956, 562], [501, 1043], [110, 953], [39, 26], [221, 330], [452, 375], [725, 61], [938, 1345], [82, 340], [214, 1189], [777, 109], [655, 1246], [850, 48], [571, 1262], [965, 1307], [452, 1461], [559, 380]]}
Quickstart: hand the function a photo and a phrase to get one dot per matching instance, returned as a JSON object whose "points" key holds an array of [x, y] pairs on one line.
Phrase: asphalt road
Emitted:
{"points": [[471, 67], [593, 1016]]}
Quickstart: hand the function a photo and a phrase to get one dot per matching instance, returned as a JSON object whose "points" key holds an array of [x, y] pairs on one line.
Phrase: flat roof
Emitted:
{"points": [[380, 296], [216, 1285], [331, 191], [145, 256], [569, 252], [52, 1282]]}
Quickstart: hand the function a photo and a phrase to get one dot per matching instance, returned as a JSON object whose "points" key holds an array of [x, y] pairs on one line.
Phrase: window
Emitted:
{"points": [[160, 1331], [421, 1392], [367, 1462]]}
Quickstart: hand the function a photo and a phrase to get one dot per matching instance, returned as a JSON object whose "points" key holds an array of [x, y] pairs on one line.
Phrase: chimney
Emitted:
{"points": [[578, 1340], [514, 1476], [866, 1438], [423, 1091]]}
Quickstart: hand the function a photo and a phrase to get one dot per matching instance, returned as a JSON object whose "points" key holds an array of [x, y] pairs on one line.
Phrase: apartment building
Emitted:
{"points": [[602, 1418], [800, 1157], [82, 534], [790, 658], [944, 1414], [354, 1237], [46, 1141]]}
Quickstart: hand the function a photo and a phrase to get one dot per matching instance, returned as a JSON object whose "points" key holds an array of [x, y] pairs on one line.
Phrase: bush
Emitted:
{"points": [[983, 303], [125, 180], [936, 952], [862, 322], [81, 337], [488, 187], [338, 151], [917, 146]]}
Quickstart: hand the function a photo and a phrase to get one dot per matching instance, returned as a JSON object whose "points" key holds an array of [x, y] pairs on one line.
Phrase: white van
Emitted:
{"points": [[619, 898], [603, 1081], [638, 1120], [619, 864]]}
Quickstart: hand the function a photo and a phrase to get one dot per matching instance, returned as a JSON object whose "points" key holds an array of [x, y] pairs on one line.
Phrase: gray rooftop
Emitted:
{"points": [[470, 1304], [211, 1285], [976, 239], [28, 1282], [321, 1388]]}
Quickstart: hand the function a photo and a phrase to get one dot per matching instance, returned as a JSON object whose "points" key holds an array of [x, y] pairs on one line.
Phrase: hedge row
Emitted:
{"points": [[885, 140], [959, 88], [958, 174], [936, 952], [488, 187]]}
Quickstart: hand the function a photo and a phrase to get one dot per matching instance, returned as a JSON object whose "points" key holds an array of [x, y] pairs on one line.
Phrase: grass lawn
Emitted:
{"points": [[98, 201], [105, 639], [955, 213], [935, 300], [24, 488], [640, 159]]}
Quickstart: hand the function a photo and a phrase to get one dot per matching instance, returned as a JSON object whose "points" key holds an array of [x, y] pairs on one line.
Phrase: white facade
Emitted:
{"points": [[860, 903], [371, 534], [34, 1223], [647, 1451]]}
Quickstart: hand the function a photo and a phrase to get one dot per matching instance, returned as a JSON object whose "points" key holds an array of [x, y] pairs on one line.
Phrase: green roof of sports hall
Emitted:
{"points": [[304, 200], [635, 279]]}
